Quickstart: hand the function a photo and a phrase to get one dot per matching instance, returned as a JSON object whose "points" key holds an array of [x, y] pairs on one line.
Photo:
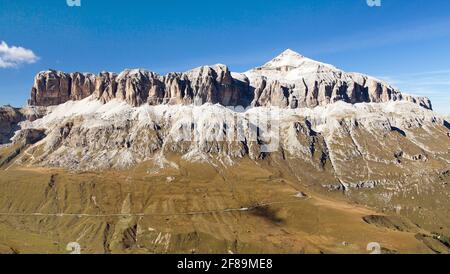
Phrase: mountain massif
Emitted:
{"points": [[289, 80], [293, 156]]}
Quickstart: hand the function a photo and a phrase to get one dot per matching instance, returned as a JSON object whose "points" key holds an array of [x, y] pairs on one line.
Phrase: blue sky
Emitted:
{"points": [[404, 42]]}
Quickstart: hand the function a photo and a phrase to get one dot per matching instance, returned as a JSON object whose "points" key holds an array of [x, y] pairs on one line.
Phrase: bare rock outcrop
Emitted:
{"points": [[29, 136], [308, 83], [105, 86], [207, 84], [51, 88], [82, 85], [9, 119]]}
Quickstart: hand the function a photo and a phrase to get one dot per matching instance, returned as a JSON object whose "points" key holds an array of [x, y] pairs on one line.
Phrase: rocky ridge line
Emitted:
{"points": [[288, 81]]}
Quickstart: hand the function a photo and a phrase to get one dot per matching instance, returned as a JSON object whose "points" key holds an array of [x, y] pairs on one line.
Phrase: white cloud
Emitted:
{"points": [[14, 56]]}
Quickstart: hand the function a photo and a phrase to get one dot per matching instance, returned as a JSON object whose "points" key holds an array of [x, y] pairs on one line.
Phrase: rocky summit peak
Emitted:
{"points": [[290, 80], [292, 53], [287, 58]]}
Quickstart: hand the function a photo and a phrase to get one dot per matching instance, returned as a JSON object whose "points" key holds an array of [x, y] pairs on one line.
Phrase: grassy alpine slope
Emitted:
{"points": [[195, 208]]}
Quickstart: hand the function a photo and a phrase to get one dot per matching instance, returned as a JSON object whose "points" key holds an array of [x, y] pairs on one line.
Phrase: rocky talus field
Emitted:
{"points": [[295, 156]]}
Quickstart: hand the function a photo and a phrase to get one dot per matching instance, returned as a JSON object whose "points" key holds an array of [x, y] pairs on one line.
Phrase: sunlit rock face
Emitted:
{"points": [[207, 84], [290, 80]]}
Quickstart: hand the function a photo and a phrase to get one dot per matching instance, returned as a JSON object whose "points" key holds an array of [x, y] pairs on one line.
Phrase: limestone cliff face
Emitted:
{"points": [[137, 87], [9, 118], [288, 81], [82, 85]]}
